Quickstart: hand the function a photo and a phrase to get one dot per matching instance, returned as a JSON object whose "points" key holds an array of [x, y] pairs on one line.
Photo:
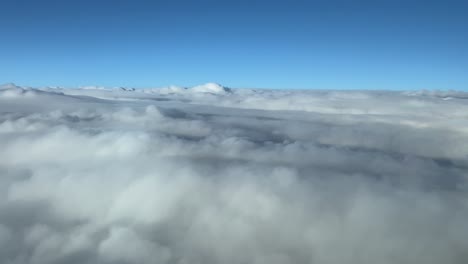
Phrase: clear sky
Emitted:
{"points": [[257, 44]]}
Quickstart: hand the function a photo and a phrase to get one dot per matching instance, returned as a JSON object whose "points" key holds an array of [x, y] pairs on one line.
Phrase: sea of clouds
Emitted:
{"points": [[212, 175]]}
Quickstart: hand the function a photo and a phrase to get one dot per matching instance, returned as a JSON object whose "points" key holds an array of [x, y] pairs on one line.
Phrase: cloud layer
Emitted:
{"points": [[215, 175]]}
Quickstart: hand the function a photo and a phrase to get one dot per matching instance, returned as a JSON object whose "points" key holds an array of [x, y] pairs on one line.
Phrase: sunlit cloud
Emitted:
{"points": [[217, 175]]}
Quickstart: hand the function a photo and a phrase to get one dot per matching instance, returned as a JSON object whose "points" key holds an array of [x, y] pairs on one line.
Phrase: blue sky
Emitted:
{"points": [[258, 44]]}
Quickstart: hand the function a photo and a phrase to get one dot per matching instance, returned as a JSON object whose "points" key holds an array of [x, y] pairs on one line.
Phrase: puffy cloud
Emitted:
{"points": [[250, 176]]}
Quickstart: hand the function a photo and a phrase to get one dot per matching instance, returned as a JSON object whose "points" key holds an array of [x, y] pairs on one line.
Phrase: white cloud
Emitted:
{"points": [[177, 175], [123, 244]]}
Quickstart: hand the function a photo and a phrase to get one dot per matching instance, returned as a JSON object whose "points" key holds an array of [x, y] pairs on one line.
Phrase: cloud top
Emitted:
{"points": [[215, 175]]}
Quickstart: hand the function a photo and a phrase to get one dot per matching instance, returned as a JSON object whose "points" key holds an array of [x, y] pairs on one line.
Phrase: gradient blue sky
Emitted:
{"points": [[257, 44]]}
